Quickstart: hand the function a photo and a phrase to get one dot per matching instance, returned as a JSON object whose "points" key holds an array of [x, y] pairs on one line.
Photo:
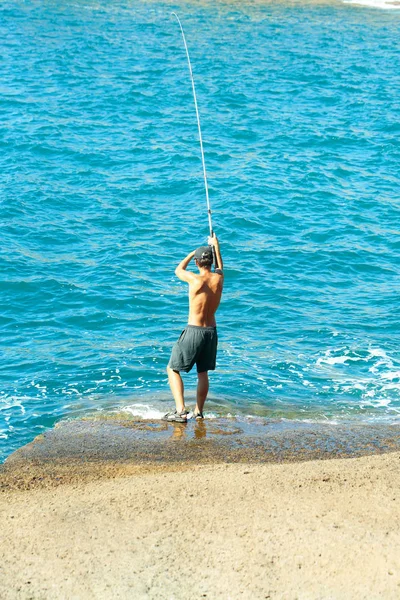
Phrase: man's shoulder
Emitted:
{"points": [[195, 279]]}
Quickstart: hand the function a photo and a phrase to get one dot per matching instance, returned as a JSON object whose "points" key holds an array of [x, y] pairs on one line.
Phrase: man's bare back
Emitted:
{"points": [[204, 297]]}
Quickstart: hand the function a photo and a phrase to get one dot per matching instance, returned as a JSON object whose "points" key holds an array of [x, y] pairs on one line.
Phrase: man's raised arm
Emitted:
{"points": [[213, 241], [180, 270]]}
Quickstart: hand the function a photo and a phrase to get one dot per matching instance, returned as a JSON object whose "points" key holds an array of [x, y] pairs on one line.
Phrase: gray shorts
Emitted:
{"points": [[196, 345]]}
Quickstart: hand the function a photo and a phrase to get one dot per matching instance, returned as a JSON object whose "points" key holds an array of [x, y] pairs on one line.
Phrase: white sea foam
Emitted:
{"points": [[391, 375], [328, 359], [144, 411], [336, 360], [391, 386], [8, 402], [382, 4], [379, 352], [377, 387], [317, 420]]}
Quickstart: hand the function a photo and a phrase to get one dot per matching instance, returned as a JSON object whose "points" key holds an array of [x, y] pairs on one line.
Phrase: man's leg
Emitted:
{"points": [[202, 391], [176, 385]]}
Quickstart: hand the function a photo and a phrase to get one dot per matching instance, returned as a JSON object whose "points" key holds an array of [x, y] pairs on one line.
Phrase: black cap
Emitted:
{"points": [[204, 253]]}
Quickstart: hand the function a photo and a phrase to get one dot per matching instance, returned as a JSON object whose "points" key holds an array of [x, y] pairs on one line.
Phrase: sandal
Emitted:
{"points": [[176, 417], [198, 415]]}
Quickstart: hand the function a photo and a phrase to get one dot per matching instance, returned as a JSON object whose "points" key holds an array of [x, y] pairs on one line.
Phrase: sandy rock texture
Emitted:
{"points": [[310, 530]]}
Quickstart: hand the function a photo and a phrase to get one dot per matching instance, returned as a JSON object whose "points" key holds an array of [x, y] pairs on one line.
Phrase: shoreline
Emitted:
{"points": [[88, 449]]}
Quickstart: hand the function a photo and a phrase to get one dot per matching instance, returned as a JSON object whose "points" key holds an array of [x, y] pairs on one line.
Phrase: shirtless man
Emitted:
{"points": [[197, 343]]}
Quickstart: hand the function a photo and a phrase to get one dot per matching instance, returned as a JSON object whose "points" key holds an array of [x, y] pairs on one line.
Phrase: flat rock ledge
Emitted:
{"points": [[90, 449]]}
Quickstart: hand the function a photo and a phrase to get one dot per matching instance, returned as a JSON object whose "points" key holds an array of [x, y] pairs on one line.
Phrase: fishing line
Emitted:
{"points": [[199, 128]]}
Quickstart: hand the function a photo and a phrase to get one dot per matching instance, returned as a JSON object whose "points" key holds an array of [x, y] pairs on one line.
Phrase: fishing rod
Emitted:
{"points": [[199, 128]]}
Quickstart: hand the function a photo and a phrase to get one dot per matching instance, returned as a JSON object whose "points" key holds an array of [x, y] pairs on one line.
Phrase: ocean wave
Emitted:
{"points": [[144, 411], [8, 403], [365, 375]]}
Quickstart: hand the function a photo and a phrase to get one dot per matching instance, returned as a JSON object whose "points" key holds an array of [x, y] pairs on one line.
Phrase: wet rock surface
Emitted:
{"points": [[92, 448]]}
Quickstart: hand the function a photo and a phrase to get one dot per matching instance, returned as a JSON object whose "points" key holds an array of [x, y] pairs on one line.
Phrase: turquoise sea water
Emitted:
{"points": [[102, 195]]}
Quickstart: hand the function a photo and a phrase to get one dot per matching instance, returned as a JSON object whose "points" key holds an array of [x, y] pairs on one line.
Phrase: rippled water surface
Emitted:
{"points": [[102, 195]]}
